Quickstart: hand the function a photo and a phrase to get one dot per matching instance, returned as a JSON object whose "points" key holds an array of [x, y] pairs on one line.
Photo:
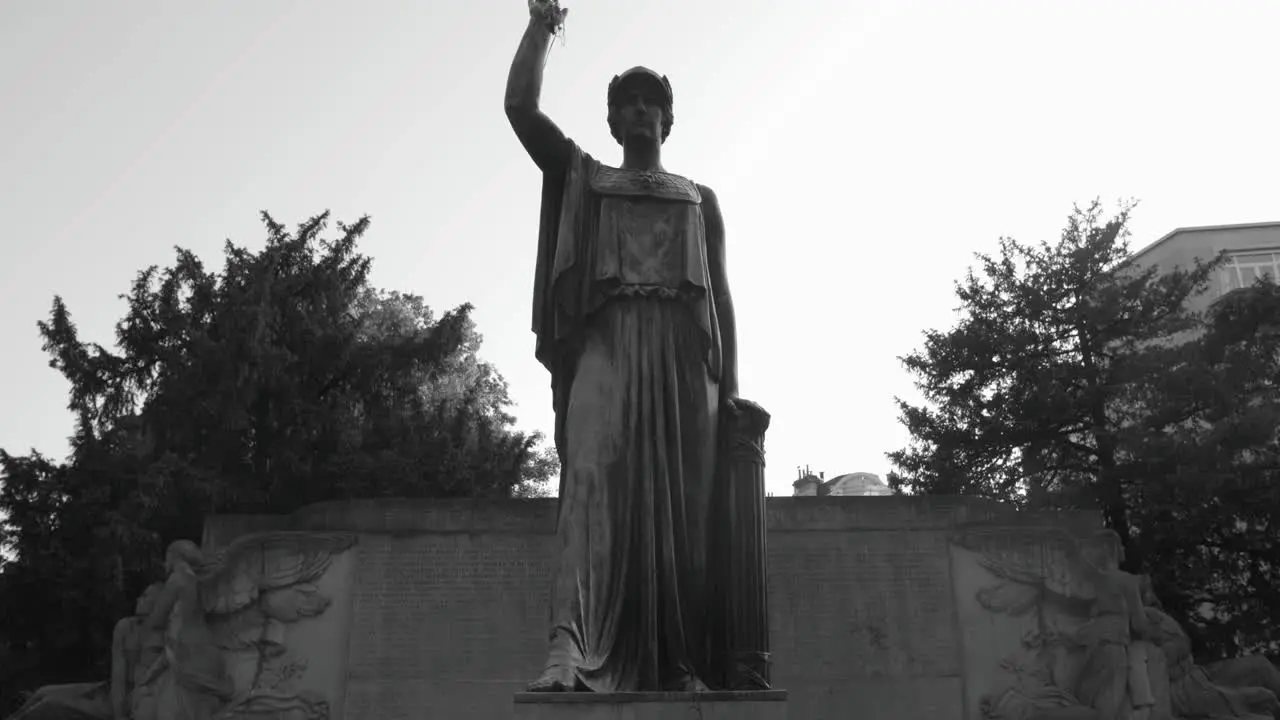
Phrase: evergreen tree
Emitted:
{"points": [[1022, 393], [1209, 486], [1074, 378]]}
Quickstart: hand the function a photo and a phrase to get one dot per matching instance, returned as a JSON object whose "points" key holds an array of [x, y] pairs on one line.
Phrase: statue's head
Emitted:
{"points": [[147, 600], [182, 552], [1104, 550], [640, 106]]}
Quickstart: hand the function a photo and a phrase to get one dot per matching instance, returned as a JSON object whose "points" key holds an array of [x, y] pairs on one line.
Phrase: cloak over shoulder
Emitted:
{"points": [[566, 288], [565, 202]]}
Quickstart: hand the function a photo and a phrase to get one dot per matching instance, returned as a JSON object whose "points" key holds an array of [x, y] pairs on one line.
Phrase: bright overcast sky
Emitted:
{"points": [[862, 152]]}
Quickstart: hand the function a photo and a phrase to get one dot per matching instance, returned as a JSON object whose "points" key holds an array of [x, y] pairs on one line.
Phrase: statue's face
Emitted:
{"points": [[637, 113]]}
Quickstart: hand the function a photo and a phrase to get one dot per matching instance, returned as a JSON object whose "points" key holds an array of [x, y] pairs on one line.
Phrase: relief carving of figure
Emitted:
{"points": [[187, 681], [239, 601], [1114, 677], [170, 660], [1249, 671], [1102, 647], [1091, 647], [135, 647]]}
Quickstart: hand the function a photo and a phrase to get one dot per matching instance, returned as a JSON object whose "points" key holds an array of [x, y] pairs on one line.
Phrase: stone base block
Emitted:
{"points": [[729, 705]]}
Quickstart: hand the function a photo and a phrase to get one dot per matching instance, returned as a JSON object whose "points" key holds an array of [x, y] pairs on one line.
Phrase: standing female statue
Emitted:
{"points": [[635, 322]]}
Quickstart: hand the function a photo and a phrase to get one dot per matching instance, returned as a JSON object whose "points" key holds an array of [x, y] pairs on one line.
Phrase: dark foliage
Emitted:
{"points": [[1074, 378]]}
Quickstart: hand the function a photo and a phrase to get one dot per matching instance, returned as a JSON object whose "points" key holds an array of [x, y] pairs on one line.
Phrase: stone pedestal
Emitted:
{"points": [[727, 705]]}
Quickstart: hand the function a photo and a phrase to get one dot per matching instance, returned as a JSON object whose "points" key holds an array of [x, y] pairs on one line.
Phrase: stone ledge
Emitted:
{"points": [[620, 698], [536, 517]]}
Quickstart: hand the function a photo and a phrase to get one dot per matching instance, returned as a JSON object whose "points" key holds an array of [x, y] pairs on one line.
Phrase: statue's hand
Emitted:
{"points": [[729, 409], [743, 415], [548, 12], [737, 405]]}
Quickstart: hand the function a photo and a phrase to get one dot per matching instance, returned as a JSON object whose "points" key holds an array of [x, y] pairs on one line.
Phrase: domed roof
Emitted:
{"points": [[858, 484]]}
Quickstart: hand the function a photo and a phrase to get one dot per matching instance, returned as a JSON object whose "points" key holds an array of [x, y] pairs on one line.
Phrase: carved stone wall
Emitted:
{"points": [[311, 641], [449, 604], [996, 653]]}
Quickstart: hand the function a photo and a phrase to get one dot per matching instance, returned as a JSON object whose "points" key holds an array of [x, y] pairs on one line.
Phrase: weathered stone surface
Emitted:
{"points": [[242, 630], [1053, 628], [257, 629], [408, 518], [1250, 671], [73, 701], [451, 595], [992, 642], [724, 705]]}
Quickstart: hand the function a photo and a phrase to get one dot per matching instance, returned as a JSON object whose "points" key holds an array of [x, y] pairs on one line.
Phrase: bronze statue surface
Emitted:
{"points": [[634, 320]]}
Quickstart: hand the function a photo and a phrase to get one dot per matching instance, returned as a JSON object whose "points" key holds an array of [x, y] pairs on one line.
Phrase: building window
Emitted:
{"points": [[1244, 269]]}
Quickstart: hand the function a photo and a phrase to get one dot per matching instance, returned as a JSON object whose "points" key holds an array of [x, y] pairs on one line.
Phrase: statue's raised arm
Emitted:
{"points": [[543, 140]]}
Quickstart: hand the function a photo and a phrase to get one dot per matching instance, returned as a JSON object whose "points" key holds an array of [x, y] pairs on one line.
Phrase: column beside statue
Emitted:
{"points": [[739, 553]]}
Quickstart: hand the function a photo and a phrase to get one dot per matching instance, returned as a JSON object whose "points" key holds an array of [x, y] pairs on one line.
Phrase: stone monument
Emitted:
{"points": [[225, 620], [658, 576], [1095, 643], [212, 640]]}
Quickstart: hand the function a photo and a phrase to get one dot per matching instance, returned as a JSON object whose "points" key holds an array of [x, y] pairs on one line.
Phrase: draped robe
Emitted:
{"points": [[626, 323]]}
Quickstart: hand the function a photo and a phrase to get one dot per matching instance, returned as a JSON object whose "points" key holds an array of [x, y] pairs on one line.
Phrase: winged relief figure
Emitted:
{"points": [[1090, 640], [236, 603]]}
